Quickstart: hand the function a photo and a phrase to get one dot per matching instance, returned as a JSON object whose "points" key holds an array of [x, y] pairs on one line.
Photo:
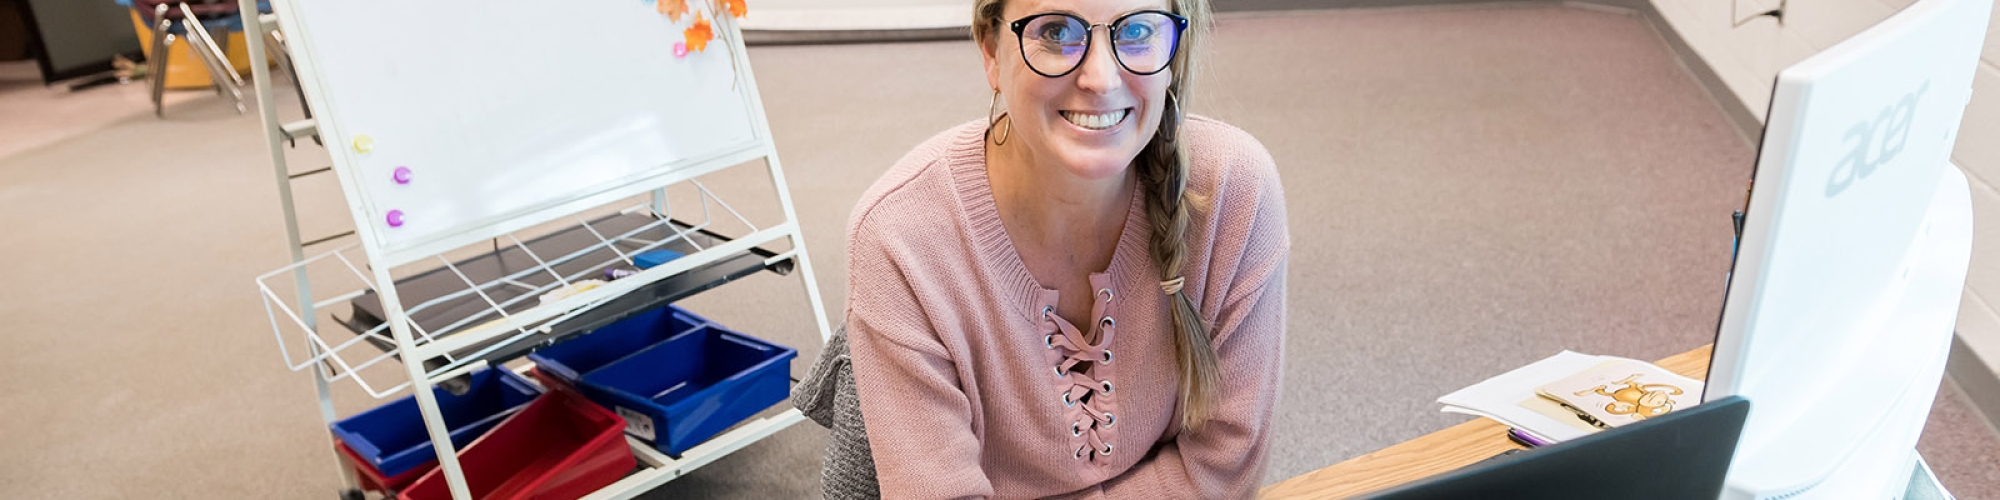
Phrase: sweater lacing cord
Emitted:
{"points": [[1087, 399]]}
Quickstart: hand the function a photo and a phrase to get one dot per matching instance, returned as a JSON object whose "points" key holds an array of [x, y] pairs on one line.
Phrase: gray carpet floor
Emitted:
{"points": [[1472, 189]]}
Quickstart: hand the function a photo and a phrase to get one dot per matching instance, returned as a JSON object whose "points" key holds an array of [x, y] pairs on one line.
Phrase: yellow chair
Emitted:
{"points": [[184, 71], [173, 19]]}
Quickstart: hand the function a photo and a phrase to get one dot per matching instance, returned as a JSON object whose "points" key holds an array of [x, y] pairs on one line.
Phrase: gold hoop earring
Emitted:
{"points": [[1171, 125], [992, 120]]}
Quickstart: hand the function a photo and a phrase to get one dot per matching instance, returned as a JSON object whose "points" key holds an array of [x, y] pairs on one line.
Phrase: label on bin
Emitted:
{"points": [[637, 424]]}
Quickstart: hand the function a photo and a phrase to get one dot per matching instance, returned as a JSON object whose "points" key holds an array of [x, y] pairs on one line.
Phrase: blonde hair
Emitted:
{"points": [[1163, 171]]}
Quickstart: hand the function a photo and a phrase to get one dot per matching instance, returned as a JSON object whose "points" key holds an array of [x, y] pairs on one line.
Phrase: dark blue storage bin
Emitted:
{"points": [[392, 439], [693, 386], [569, 360]]}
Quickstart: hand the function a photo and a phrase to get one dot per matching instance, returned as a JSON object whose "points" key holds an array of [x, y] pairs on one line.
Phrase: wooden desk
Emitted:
{"points": [[1454, 447]]}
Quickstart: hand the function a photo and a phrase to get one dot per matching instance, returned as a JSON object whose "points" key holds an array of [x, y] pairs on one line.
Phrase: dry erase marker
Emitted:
{"points": [[1524, 439]]}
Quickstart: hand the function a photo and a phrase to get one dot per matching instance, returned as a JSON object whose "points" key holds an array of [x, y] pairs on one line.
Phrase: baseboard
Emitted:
{"points": [[1283, 5], [752, 36], [820, 37], [1748, 126], [1977, 380]]}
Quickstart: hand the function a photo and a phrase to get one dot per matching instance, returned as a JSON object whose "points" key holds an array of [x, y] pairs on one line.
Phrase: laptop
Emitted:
{"points": [[1683, 455]]}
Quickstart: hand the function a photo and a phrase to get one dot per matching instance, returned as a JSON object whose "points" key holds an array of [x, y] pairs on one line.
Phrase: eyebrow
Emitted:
{"points": [[1077, 15]]}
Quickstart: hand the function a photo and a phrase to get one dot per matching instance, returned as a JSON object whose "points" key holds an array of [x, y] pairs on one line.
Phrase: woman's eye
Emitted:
{"points": [[1135, 33], [1057, 32]]}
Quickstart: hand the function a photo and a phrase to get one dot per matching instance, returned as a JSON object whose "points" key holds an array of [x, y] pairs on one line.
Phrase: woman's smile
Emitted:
{"points": [[1096, 121]]}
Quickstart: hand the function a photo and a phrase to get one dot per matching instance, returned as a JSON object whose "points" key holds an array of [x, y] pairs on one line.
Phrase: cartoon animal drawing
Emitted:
{"points": [[1637, 399]]}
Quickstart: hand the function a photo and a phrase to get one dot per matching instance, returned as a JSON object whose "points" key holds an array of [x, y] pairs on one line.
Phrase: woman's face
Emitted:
{"points": [[1094, 120]]}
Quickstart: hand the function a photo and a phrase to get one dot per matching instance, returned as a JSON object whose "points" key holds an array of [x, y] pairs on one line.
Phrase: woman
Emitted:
{"points": [[1082, 295]]}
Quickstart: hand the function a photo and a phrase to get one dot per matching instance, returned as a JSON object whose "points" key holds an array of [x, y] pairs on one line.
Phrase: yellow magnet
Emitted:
{"points": [[363, 144]]}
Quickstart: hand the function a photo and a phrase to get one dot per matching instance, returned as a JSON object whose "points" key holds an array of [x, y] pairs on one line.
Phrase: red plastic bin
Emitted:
{"points": [[561, 447], [372, 479]]}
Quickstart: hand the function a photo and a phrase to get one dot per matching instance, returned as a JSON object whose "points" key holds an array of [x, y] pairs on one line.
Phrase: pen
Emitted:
{"points": [[1524, 439]]}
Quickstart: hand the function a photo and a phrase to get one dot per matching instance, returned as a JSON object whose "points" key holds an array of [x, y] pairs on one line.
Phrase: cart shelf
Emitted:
{"points": [[438, 299], [500, 304]]}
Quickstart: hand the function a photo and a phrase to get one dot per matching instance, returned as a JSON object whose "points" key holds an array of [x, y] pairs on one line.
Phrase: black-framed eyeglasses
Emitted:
{"points": [[1055, 44]]}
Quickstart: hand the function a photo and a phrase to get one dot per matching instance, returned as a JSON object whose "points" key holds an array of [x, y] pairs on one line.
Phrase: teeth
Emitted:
{"points": [[1094, 121]]}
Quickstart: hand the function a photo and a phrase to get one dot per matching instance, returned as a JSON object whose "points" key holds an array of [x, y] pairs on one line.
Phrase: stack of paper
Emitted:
{"points": [[1512, 398]]}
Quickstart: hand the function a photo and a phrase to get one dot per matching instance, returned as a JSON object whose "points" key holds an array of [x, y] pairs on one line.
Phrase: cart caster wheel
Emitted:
{"points": [[353, 494]]}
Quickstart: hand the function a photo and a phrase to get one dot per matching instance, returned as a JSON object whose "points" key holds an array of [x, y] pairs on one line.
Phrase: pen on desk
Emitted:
{"points": [[1525, 439]]}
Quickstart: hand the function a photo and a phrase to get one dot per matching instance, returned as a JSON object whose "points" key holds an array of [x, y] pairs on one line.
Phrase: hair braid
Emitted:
{"points": [[1163, 173]]}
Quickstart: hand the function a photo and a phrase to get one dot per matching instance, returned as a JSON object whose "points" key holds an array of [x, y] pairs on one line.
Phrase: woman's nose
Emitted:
{"points": [[1099, 73]]}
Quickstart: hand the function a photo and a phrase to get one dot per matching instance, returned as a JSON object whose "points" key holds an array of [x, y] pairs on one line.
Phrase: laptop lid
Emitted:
{"points": [[1680, 456]]}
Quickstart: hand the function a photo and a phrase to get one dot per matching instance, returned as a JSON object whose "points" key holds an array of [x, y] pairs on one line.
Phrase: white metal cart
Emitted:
{"points": [[426, 301]]}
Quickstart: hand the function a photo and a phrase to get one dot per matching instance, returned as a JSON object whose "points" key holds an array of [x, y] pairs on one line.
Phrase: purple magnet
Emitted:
{"points": [[680, 49], [395, 218], [402, 175]]}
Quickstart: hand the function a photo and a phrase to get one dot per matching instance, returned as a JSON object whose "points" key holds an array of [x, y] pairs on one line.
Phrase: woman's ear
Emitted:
{"points": [[990, 52]]}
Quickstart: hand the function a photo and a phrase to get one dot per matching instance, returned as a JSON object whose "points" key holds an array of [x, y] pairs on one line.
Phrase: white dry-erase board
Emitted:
{"points": [[454, 121]]}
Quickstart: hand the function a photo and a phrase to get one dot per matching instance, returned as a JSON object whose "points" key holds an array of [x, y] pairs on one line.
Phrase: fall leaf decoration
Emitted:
{"points": [[699, 34], [674, 9]]}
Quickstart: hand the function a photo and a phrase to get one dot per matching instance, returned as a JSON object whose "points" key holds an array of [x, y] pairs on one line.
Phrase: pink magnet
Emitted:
{"points": [[402, 175], [395, 218], [680, 49]]}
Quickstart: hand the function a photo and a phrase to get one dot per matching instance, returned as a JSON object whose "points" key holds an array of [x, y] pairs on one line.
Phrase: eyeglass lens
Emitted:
{"points": [[1054, 44]]}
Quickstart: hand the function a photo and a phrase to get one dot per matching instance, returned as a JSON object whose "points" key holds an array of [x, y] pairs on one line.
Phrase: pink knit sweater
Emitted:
{"points": [[970, 390]]}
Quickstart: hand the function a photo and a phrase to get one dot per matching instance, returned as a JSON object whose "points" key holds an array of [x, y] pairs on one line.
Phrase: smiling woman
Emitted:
{"points": [[1082, 294]]}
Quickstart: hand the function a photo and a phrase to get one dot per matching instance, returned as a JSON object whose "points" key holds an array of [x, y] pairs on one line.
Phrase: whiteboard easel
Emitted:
{"points": [[451, 123]]}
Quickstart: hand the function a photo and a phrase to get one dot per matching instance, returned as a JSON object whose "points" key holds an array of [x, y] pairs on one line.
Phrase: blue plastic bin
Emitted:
{"points": [[680, 392], [569, 360], [654, 258], [391, 438]]}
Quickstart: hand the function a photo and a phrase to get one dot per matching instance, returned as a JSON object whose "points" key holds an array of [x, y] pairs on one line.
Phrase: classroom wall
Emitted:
{"points": [[1745, 59]]}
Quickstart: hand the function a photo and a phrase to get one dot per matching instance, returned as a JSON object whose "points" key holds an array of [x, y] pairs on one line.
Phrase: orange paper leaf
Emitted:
{"points": [[674, 9], [737, 7], [699, 34]]}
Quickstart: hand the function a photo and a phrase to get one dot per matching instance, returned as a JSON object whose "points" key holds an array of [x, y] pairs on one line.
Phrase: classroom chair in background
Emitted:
{"points": [[194, 21]]}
